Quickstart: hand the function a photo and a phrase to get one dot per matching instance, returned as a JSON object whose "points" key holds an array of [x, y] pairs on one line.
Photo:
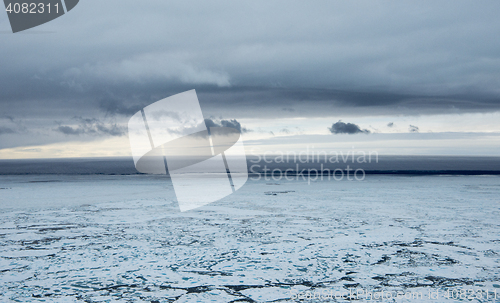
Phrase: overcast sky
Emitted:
{"points": [[281, 68]]}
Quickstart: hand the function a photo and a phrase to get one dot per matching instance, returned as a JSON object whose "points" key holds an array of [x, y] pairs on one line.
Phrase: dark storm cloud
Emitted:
{"points": [[346, 128], [413, 129], [68, 130], [92, 127], [210, 123], [233, 123]]}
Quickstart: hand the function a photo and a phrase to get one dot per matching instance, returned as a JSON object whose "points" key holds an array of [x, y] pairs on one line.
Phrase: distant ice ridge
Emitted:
{"points": [[122, 238], [125, 166]]}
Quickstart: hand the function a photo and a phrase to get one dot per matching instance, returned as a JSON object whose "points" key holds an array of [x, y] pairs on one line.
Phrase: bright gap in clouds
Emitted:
{"points": [[465, 134], [478, 122]]}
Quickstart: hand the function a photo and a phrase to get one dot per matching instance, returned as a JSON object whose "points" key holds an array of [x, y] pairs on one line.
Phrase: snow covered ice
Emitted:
{"points": [[123, 239]]}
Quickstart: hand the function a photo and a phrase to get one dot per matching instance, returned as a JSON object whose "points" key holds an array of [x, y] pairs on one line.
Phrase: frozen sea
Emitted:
{"points": [[71, 238]]}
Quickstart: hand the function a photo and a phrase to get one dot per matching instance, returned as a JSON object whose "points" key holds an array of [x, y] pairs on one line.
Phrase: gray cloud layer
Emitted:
{"points": [[254, 59], [418, 55], [91, 127]]}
